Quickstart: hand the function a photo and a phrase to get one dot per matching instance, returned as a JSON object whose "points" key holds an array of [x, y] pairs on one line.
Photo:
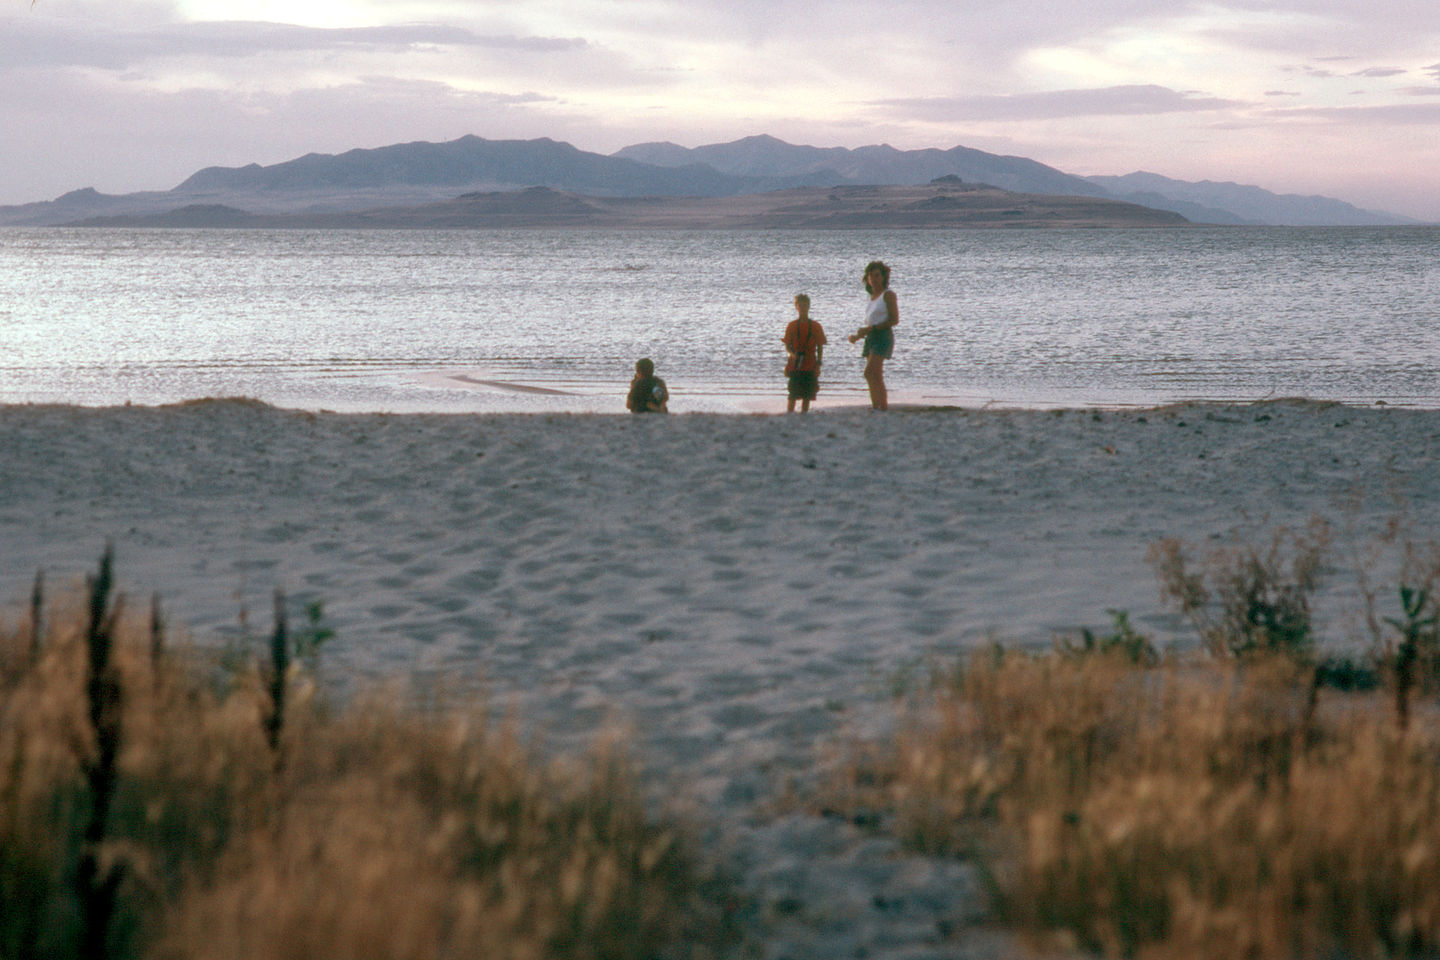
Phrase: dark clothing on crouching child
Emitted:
{"points": [[647, 395]]}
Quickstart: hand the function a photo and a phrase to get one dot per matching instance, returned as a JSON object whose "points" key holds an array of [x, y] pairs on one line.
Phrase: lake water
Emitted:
{"points": [[554, 320]]}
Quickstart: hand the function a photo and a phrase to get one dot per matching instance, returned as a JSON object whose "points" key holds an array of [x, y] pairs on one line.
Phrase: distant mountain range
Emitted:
{"points": [[947, 202], [423, 173]]}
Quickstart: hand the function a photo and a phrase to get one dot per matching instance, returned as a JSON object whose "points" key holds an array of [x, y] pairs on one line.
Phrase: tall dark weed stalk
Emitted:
{"points": [[1419, 644], [37, 616], [97, 882], [279, 675], [157, 634]]}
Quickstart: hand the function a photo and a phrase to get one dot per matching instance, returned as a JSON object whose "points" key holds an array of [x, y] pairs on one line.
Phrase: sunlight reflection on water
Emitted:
{"points": [[385, 320]]}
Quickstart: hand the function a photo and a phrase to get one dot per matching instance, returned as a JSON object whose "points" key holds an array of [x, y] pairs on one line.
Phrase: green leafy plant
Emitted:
{"points": [[308, 640], [1249, 599], [1417, 648], [1123, 640], [1418, 628]]}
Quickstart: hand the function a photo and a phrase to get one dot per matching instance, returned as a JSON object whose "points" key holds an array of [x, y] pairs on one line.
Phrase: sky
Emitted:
{"points": [[1332, 97]]}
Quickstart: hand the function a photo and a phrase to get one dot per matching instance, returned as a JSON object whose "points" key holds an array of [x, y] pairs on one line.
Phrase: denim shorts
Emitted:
{"points": [[879, 343]]}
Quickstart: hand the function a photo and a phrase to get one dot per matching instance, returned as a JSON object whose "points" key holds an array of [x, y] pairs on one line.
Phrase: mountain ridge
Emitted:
{"points": [[764, 155], [472, 160], [420, 172]]}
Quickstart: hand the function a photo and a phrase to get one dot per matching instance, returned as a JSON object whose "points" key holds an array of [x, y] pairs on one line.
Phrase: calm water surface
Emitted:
{"points": [[554, 320]]}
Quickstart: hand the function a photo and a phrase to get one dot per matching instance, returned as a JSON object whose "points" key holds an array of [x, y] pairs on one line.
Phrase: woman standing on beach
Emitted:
{"points": [[881, 315]]}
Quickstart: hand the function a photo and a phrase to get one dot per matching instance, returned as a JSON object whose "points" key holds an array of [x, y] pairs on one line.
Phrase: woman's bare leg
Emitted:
{"points": [[875, 379]]}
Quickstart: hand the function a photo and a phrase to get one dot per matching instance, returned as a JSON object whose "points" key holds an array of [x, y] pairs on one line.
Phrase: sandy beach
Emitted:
{"points": [[739, 590]]}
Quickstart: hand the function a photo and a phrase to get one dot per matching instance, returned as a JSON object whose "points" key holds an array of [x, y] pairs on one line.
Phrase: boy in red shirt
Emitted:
{"points": [[805, 342]]}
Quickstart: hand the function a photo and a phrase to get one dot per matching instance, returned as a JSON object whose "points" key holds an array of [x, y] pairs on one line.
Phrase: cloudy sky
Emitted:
{"points": [[1337, 97]]}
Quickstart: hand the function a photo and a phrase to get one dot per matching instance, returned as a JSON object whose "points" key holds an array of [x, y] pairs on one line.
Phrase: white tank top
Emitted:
{"points": [[876, 312]]}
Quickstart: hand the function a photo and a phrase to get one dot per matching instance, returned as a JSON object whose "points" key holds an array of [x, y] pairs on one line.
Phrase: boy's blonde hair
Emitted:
{"points": [[802, 299]]}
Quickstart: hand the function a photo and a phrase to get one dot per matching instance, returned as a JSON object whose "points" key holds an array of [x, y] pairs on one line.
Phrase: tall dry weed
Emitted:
{"points": [[387, 832], [472, 848]]}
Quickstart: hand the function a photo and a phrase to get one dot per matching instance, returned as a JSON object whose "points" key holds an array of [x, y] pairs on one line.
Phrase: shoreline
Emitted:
{"points": [[477, 391]]}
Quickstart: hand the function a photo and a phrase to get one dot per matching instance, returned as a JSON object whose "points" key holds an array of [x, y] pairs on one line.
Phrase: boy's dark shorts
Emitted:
{"points": [[804, 386]]}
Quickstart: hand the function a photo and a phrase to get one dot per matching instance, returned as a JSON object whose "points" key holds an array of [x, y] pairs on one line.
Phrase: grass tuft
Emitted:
{"points": [[1208, 807], [388, 832]]}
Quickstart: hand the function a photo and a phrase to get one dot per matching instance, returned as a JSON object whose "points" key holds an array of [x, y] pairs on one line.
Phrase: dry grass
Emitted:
{"points": [[376, 831], [1203, 809]]}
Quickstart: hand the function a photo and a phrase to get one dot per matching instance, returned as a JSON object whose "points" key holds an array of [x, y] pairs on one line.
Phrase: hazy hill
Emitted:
{"points": [[1247, 204]]}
